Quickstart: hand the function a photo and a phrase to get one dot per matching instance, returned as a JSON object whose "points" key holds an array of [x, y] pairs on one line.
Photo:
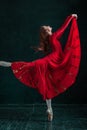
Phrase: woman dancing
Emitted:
{"points": [[55, 72]]}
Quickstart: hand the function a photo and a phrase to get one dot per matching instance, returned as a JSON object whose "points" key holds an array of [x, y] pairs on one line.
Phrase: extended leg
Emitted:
{"points": [[5, 64], [49, 109]]}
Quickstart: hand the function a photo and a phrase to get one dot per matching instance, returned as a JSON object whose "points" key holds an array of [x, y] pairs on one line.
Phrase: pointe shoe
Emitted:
{"points": [[50, 115]]}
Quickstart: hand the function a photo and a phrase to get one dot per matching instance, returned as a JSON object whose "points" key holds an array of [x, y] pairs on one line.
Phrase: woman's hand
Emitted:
{"points": [[75, 15]]}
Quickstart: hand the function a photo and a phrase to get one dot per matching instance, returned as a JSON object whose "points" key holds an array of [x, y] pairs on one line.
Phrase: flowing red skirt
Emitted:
{"points": [[50, 75]]}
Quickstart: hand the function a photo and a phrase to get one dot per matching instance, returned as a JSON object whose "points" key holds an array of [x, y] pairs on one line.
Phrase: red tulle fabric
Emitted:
{"points": [[57, 71]]}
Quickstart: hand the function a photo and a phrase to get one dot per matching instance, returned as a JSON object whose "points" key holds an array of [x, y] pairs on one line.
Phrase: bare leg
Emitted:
{"points": [[49, 109], [5, 64]]}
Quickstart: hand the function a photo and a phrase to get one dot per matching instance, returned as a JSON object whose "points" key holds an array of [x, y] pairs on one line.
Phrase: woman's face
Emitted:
{"points": [[47, 30]]}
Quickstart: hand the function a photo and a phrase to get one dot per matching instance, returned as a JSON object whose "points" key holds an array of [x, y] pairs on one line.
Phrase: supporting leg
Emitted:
{"points": [[49, 109], [5, 64]]}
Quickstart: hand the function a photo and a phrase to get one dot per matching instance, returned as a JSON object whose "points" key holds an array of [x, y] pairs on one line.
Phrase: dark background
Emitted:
{"points": [[20, 21]]}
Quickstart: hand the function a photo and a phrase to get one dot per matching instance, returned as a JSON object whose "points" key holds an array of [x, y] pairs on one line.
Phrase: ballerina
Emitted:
{"points": [[55, 72]]}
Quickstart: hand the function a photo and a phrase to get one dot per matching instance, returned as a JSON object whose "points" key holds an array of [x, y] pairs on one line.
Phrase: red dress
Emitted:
{"points": [[56, 72]]}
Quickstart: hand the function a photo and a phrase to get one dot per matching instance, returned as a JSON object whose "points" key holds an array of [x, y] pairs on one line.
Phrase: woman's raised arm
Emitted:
{"points": [[60, 31]]}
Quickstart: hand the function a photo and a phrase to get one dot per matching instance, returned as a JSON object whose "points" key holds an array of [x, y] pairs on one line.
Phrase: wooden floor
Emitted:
{"points": [[33, 117]]}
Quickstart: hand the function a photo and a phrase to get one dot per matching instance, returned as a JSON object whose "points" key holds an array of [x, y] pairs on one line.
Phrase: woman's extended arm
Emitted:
{"points": [[60, 31], [5, 64]]}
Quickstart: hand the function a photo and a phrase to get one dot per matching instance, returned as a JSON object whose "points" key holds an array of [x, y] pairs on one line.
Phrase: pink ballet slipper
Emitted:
{"points": [[50, 114]]}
